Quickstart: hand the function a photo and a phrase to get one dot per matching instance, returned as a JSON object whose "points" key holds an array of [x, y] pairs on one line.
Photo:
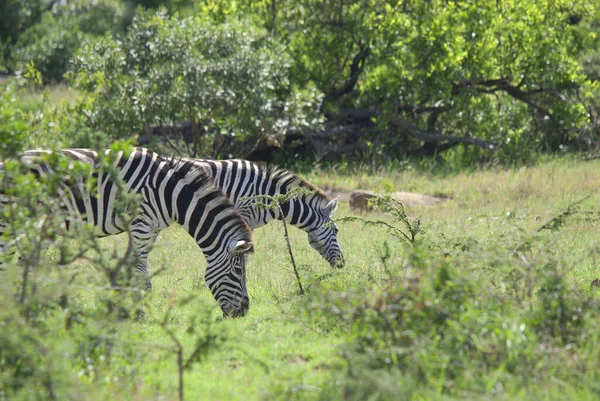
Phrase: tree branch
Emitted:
{"points": [[504, 85], [356, 68], [417, 110], [430, 137]]}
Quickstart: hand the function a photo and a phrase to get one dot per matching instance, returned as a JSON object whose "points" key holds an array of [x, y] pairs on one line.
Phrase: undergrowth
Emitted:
{"points": [[465, 318]]}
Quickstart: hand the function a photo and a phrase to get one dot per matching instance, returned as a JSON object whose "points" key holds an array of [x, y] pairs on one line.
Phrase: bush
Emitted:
{"points": [[53, 37], [63, 337], [16, 17], [49, 45], [230, 80], [439, 325], [14, 124]]}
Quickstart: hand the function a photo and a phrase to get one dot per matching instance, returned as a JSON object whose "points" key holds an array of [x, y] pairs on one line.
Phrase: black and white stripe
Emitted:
{"points": [[171, 192], [240, 179]]}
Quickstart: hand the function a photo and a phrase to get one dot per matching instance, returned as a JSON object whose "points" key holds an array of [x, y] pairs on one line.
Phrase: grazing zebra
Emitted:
{"points": [[241, 179], [171, 191]]}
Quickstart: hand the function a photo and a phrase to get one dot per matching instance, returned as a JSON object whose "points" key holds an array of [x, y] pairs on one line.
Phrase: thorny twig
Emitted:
{"points": [[178, 351], [277, 200], [388, 204], [183, 364], [557, 221]]}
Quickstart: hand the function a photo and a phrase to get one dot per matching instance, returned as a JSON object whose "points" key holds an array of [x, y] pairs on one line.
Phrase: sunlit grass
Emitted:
{"points": [[34, 97], [279, 352]]}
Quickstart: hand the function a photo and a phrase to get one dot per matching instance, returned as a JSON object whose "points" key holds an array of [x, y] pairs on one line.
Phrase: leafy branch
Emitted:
{"points": [[387, 204]]}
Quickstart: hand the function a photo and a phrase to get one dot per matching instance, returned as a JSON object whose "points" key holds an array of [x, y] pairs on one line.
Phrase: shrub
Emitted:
{"points": [[62, 337], [14, 124], [439, 325], [230, 80], [55, 36]]}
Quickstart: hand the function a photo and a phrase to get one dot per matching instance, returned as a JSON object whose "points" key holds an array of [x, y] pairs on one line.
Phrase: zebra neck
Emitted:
{"points": [[300, 212], [204, 213]]}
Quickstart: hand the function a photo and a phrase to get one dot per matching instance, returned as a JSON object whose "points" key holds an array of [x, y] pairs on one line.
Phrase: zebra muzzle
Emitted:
{"points": [[339, 262], [232, 311]]}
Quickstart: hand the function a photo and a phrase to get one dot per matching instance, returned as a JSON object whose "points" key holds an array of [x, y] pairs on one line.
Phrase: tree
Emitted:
{"points": [[419, 77], [48, 33]]}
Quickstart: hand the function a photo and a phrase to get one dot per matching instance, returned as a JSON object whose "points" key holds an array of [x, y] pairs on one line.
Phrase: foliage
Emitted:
{"points": [[38, 317], [466, 82], [274, 203], [397, 73], [387, 204], [481, 306], [53, 36], [479, 49], [439, 323], [229, 80], [57, 341], [589, 61], [14, 124], [558, 221], [203, 344], [49, 45], [16, 17]]}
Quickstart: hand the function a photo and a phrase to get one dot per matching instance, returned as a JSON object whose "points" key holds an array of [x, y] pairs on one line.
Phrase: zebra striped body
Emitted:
{"points": [[170, 192], [240, 179]]}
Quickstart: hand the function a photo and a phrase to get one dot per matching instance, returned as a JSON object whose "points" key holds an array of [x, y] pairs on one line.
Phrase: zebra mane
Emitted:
{"points": [[187, 171], [295, 180]]}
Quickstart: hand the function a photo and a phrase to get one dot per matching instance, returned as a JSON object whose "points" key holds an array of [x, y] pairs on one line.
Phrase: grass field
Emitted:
{"points": [[476, 320]]}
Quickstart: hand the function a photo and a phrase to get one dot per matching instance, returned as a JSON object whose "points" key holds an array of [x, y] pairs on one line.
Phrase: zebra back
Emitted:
{"points": [[242, 180]]}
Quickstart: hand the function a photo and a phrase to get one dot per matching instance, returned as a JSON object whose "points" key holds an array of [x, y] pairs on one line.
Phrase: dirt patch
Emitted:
{"points": [[415, 199], [407, 198]]}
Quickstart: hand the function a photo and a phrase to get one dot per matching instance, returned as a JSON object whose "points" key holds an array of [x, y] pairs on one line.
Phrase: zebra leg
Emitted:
{"points": [[143, 238]]}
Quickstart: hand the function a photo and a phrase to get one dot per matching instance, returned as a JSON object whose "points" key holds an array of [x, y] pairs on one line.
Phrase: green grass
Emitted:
{"points": [[54, 95], [273, 349], [298, 347]]}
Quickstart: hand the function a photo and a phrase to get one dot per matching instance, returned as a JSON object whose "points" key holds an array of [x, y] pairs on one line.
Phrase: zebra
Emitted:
{"points": [[171, 191], [242, 179]]}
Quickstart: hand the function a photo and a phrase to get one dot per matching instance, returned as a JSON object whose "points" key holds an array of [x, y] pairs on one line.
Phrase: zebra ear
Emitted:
{"points": [[240, 246], [331, 207]]}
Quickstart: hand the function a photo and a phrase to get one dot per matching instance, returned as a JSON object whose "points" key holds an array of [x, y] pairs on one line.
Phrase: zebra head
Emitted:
{"points": [[323, 235], [226, 277], [219, 230]]}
